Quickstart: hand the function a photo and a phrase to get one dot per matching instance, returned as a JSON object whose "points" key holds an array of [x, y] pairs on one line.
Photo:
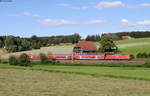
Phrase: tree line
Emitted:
{"points": [[16, 44], [118, 35], [93, 38], [135, 34]]}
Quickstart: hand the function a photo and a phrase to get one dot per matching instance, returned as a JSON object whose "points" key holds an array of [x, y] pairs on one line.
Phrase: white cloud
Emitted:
{"points": [[36, 15], [145, 22], [100, 5], [125, 22], [64, 4], [94, 22], [69, 6], [145, 4], [25, 14], [104, 4], [58, 22]]}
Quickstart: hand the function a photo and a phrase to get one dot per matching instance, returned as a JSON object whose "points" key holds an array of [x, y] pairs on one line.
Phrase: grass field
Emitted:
{"points": [[136, 49], [15, 82], [3, 51], [139, 40], [115, 72], [50, 80], [58, 49]]}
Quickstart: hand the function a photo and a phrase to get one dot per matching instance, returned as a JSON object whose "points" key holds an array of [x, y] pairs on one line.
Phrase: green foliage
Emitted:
{"points": [[13, 60], [24, 60], [15, 44], [1, 43], [136, 50], [135, 34], [93, 38], [148, 55], [107, 44], [142, 55], [43, 59], [145, 55], [138, 55], [147, 64], [132, 56]]}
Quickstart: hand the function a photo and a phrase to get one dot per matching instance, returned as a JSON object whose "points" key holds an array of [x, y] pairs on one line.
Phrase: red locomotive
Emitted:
{"points": [[80, 56]]}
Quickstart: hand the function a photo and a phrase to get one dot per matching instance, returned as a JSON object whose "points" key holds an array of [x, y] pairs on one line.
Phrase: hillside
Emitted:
{"points": [[59, 49], [3, 51], [139, 40], [133, 46]]}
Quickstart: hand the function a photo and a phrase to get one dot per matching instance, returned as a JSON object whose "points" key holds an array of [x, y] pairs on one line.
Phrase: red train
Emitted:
{"points": [[81, 57]]}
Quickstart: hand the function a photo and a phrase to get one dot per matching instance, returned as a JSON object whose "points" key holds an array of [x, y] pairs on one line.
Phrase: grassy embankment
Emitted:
{"points": [[115, 72], [134, 46]]}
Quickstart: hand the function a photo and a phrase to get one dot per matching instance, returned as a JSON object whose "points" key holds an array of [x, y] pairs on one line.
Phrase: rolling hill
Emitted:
{"points": [[132, 46]]}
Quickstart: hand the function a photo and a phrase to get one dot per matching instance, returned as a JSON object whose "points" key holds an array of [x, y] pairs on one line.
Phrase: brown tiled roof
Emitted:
{"points": [[87, 45], [125, 37]]}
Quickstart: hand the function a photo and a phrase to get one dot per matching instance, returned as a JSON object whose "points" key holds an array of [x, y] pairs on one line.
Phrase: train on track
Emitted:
{"points": [[79, 56]]}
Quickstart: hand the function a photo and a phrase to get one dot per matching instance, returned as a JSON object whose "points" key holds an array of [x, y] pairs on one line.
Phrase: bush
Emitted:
{"points": [[43, 59], [13, 60], [145, 55], [132, 56], [142, 55], [148, 55], [138, 55], [147, 64], [24, 60]]}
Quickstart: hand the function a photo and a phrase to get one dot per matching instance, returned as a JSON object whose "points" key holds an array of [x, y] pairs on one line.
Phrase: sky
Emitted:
{"points": [[64, 17]]}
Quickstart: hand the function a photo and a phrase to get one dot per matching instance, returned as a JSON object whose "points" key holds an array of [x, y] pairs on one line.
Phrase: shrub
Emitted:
{"points": [[24, 60], [132, 56], [53, 61], [148, 55], [138, 55], [13, 60], [142, 55], [147, 64], [43, 59], [145, 55]]}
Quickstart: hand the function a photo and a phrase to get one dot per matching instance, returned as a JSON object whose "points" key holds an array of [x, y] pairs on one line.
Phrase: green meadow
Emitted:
{"points": [[14, 82], [115, 72]]}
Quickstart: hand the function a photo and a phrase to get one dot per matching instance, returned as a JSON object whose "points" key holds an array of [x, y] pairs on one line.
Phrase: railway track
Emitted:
{"points": [[101, 61]]}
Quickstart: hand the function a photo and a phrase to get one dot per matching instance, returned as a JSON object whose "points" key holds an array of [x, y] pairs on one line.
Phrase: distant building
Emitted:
{"points": [[85, 47], [126, 37], [104, 34]]}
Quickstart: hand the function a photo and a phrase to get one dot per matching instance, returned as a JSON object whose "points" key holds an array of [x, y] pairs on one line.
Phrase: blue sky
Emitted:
{"points": [[63, 17]]}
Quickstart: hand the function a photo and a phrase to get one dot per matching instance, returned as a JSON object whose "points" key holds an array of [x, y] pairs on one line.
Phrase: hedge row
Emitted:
{"points": [[23, 60], [140, 55]]}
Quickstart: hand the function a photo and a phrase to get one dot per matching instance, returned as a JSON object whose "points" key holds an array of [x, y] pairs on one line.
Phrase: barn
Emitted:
{"points": [[85, 47], [126, 37]]}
